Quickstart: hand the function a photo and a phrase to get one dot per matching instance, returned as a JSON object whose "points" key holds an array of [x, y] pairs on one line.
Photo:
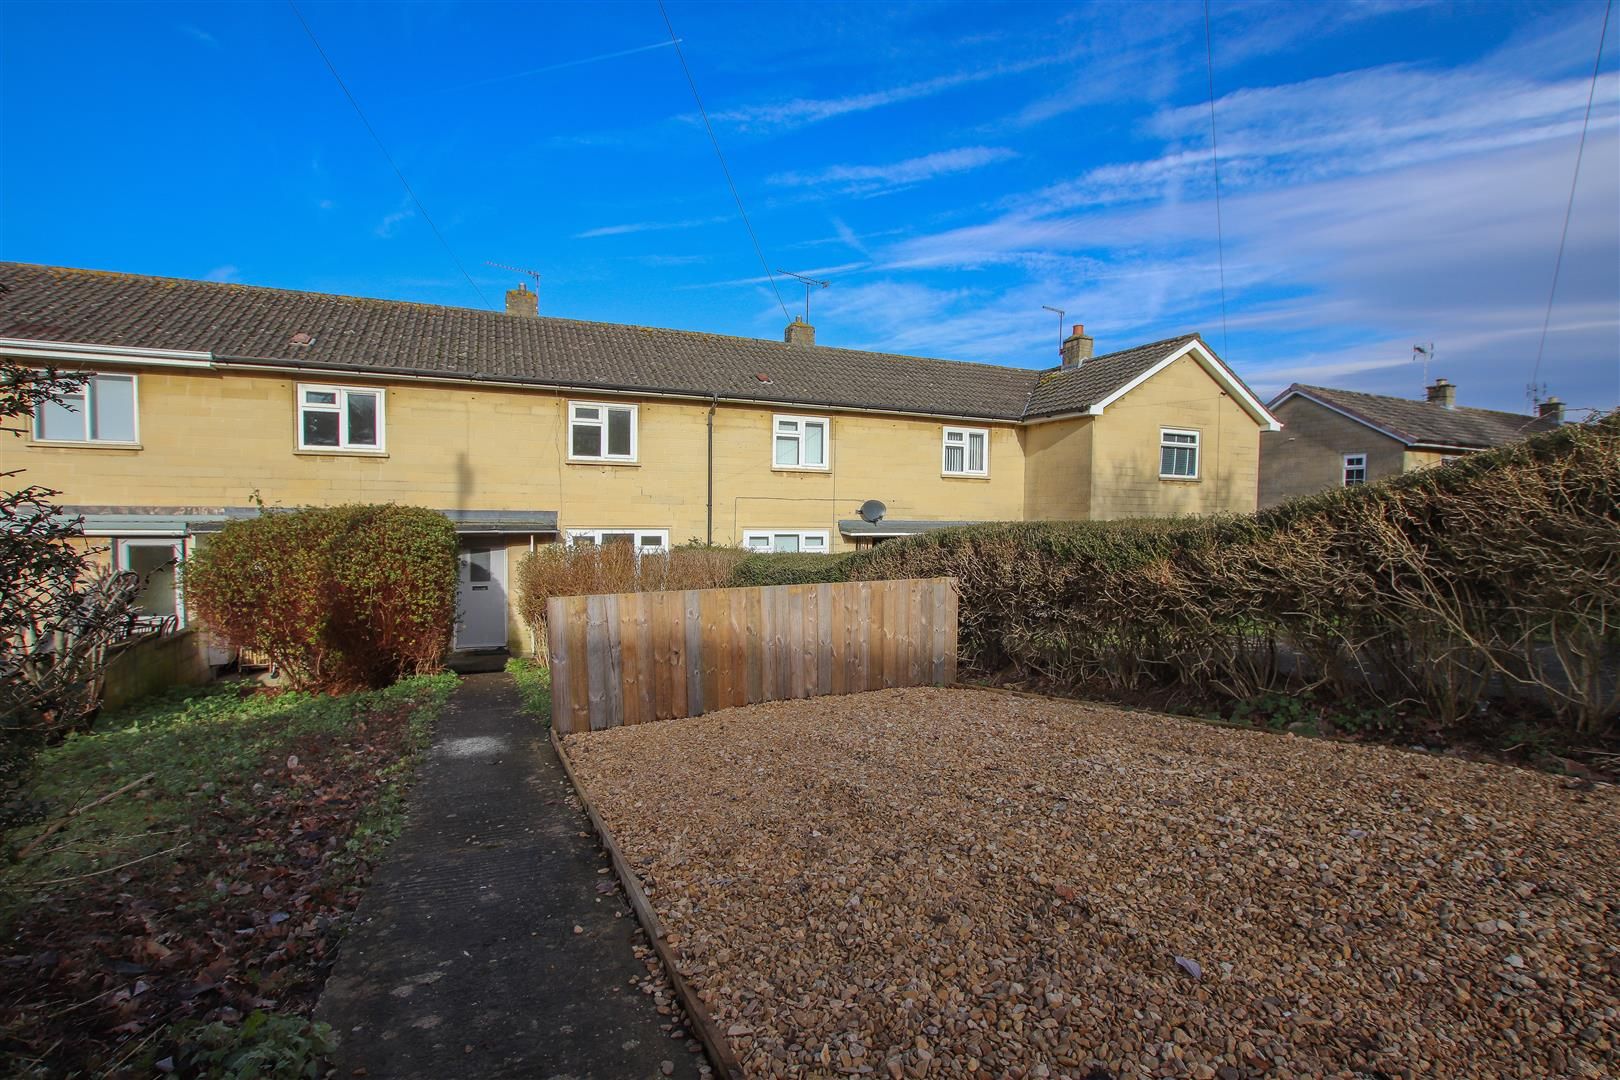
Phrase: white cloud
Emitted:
{"points": [[646, 226], [873, 179], [388, 227], [223, 273], [199, 34]]}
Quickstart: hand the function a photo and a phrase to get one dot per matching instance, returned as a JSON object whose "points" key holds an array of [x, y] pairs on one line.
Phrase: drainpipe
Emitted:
{"points": [[709, 509]]}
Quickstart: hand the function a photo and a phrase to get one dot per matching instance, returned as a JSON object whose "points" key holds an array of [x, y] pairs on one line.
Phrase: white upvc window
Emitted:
{"points": [[1178, 454], [601, 432], [966, 452], [340, 418], [1355, 469], [103, 410], [799, 442], [157, 562], [815, 540], [645, 541]]}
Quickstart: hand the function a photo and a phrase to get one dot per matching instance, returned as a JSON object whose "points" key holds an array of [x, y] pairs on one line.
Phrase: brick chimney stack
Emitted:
{"points": [[1551, 409], [1076, 348], [520, 301], [1443, 393], [799, 332]]}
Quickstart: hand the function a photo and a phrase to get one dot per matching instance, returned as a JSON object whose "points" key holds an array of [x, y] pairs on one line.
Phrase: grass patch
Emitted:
{"points": [[191, 919], [534, 686]]}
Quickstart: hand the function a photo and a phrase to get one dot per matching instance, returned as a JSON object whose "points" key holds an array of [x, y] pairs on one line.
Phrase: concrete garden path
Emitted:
{"points": [[463, 960]]}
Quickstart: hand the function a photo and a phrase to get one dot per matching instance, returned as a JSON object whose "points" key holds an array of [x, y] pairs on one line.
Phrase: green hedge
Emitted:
{"points": [[789, 568], [1425, 590], [339, 597]]}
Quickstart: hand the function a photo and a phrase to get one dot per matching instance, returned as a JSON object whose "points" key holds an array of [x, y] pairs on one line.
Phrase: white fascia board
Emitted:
{"points": [[1219, 371], [86, 353]]}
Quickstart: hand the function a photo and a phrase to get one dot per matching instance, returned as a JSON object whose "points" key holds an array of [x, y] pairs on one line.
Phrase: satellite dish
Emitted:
{"points": [[872, 511]]}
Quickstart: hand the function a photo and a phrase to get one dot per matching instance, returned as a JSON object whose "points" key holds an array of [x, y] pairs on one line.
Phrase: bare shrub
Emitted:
{"points": [[591, 569]]}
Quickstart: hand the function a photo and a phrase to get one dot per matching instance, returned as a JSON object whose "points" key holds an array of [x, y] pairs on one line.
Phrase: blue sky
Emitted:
{"points": [[1391, 172]]}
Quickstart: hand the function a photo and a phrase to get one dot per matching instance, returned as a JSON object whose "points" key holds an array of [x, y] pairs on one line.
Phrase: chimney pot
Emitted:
{"points": [[799, 332], [1443, 393], [520, 301], [1076, 348], [1551, 409]]}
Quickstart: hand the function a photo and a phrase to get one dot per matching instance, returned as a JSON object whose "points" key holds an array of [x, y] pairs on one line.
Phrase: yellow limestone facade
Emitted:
{"points": [[210, 436]]}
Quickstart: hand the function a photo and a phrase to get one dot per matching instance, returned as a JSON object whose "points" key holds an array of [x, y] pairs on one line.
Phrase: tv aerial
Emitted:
{"points": [[806, 282], [535, 274]]}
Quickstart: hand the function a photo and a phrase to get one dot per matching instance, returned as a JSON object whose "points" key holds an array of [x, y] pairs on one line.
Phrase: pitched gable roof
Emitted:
{"points": [[1423, 423], [256, 325]]}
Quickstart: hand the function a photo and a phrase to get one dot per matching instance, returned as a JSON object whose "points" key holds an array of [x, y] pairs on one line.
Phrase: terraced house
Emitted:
{"points": [[208, 398]]}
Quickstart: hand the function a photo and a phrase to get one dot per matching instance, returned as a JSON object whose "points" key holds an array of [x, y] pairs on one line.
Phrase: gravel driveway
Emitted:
{"points": [[931, 882]]}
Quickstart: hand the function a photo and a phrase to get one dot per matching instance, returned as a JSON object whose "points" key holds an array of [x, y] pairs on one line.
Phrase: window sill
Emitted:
{"points": [[604, 461], [814, 470], [964, 476], [337, 451], [85, 444], [1182, 479]]}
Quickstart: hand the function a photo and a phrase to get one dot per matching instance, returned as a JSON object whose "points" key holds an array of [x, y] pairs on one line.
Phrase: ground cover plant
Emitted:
{"points": [[534, 686], [176, 900], [968, 883], [338, 597]]}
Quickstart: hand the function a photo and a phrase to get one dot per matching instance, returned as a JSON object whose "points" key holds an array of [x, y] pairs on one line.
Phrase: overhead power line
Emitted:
{"points": [[378, 140], [1215, 157], [717, 153], [1569, 208]]}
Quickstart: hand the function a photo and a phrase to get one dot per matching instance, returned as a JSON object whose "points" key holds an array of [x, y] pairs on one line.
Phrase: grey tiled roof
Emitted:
{"points": [[1065, 391], [1421, 423], [252, 324]]}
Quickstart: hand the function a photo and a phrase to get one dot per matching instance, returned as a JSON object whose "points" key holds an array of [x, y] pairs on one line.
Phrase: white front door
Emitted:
{"points": [[157, 562], [481, 597]]}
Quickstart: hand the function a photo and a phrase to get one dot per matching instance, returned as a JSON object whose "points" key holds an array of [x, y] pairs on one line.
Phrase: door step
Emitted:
{"points": [[478, 661]]}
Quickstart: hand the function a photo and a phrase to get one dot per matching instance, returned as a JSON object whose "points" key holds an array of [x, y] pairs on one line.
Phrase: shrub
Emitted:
{"points": [[338, 597], [589, 569], [1421, 590], [789, 568]]}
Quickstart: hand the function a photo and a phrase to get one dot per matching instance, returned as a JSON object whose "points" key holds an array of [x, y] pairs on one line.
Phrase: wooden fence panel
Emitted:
{"points": [[636, 657]]}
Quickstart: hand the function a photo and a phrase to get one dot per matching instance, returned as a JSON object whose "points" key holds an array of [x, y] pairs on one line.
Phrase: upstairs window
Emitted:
{"points": [[800, 442], [339, 418], [1178, 454], [100, 411], [1355, 469], [785, 540], [601, 432], [967, 452]]}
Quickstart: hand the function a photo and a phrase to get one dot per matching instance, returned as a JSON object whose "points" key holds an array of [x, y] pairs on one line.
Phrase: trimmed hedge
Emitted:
{"points": [[789, 568], [1424, 590], [338, 597]]}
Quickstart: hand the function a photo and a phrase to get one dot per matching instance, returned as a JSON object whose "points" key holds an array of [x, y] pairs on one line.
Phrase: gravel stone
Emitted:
{"points": [[928, 882]]}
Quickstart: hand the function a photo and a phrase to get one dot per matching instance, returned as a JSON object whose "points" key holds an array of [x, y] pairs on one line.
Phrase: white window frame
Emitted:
{"points": [[800, 423], [601, 424], [967, 434], [344, 446], [821, 537], [1361, 463], [177, 545], [595, 536], [1196, 446], [38, 427]]}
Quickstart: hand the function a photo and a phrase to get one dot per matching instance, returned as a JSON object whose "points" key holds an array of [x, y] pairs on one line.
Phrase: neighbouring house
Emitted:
{"points": [[207, 399], [1340, 438]]}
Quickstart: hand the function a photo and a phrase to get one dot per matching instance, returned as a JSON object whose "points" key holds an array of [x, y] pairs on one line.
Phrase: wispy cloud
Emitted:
{"points": [[562, 65], [223, 273], [199, 34], [875, 179], [388, 227], [647, 226]]}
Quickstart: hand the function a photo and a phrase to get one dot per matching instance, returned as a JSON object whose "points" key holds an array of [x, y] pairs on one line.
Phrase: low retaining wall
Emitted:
{"points": [[149, 665]]}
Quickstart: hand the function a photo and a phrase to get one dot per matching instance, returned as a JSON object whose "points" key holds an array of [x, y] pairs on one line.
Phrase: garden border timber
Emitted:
{"points": [[716, 1048]]}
